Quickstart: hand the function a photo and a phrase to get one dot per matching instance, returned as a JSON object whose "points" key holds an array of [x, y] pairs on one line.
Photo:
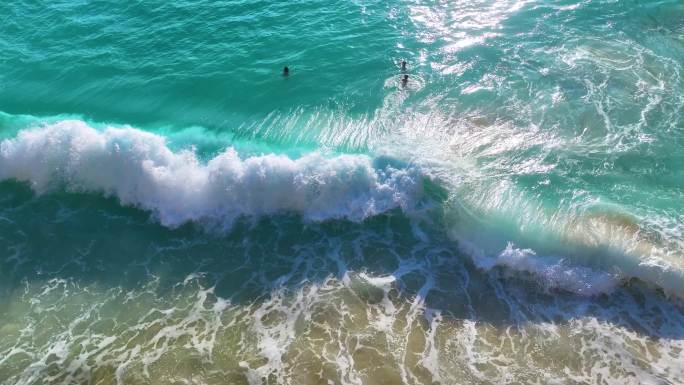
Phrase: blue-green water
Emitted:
{"points": [[173, 210]]}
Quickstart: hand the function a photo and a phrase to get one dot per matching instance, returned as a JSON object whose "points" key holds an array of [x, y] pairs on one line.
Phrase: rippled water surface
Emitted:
{"points": [[173, 210]]}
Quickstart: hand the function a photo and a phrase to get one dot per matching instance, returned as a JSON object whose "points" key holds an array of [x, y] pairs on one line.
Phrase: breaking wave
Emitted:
{"points": [[140, 169]]}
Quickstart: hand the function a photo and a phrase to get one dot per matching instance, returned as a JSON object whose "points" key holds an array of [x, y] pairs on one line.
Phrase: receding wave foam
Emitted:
{"points": [[140, 169]]}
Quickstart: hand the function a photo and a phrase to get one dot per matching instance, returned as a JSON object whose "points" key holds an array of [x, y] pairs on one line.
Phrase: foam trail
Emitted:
{"points": [[139, 169]]}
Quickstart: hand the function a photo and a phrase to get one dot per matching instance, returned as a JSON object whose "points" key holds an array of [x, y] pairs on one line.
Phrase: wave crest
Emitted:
{"points": [[140, 169]]}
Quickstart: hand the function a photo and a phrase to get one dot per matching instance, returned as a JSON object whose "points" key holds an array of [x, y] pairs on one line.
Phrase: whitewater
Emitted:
{"points": [[173, 210]]}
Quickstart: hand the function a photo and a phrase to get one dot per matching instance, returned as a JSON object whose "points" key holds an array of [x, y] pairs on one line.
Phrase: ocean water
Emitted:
{"points": [[173, 210]]}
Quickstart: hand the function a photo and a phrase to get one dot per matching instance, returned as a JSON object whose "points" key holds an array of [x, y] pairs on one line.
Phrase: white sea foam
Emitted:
{"points": [[569, 270], [140, 170], [553, 273]]}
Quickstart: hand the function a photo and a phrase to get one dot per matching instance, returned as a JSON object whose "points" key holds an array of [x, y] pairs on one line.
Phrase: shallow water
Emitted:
{"points": [[175, 211]]}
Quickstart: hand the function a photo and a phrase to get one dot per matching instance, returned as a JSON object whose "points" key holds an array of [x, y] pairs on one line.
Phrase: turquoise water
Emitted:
{"points": [[173, 210]]}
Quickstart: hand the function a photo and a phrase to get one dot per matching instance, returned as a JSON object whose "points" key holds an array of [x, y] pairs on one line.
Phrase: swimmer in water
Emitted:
{"points": [[404, 80], [403, 65], [286, 71]]}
